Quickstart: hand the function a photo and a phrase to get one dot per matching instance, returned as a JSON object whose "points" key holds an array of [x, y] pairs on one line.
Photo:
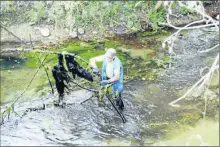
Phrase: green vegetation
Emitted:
{"points": [[181, 10], [10, 6], [101, 15], [156, 18], [185, 11], [33, 62], [37, 12]]}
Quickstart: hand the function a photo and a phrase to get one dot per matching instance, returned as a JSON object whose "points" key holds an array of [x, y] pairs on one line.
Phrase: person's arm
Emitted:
{"points": [[116, 77], [92, 61]]}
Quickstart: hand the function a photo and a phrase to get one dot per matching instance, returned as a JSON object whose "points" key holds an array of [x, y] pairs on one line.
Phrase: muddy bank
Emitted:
{"points": [[47, 34]]}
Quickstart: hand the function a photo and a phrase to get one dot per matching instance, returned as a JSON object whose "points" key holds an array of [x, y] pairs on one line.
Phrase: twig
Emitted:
{"points": [[188, 28], [174, 36], [207, 50], [12, 33], [202, 13], [43, 51], [31, 79], [43, 66], [211, 71], [204, 80], [170, 40], [189, 91], [12, 104], [16, 113], [46, 74], [204, 113], [93, 90], [87, 99], [198, 7]]}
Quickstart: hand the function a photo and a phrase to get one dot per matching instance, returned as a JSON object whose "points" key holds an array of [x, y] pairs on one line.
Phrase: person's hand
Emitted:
{"points": [[104, 82], [95, 70]]}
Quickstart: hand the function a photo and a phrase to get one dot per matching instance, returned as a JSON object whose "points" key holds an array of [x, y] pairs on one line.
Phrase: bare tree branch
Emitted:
{"points": [[42, 51], [9, 108], [197, 6], [205, 79], [43, 66], [11, 33], [207, 50]]}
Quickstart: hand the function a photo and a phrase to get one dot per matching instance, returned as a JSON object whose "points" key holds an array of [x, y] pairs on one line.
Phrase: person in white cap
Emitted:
{"points": [[112, 73]]}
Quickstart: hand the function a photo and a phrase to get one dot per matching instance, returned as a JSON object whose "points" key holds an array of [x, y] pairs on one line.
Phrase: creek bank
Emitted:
{"points": [[46, 33]]}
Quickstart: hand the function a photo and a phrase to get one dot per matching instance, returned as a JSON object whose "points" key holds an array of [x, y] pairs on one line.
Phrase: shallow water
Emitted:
{"points": [[205, 133], [146, 104], [81, 124]]}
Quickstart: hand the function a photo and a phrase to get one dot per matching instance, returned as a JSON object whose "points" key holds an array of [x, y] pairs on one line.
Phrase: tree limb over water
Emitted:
{"points": [[204, 82]]}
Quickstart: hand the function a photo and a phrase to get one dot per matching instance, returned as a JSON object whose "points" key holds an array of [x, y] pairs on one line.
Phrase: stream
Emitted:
{"points": [[146, 104]]}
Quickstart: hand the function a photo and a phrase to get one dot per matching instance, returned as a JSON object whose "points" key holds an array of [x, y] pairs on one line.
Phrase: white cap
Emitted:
{"points": [[110, 53]]}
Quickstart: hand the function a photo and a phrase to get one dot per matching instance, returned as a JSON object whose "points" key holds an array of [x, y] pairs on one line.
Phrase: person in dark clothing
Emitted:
{"points": [[76, 69], [60, 75]]}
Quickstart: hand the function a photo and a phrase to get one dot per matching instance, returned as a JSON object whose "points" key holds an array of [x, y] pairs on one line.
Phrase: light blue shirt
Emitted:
{"points": [[117, 86]]}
